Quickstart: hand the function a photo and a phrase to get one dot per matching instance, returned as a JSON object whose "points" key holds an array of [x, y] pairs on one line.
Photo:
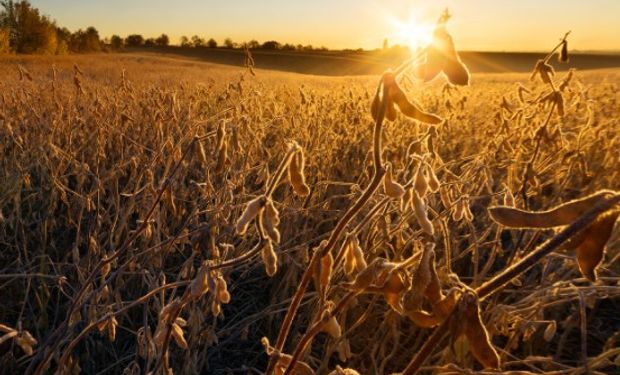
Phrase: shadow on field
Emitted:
{"points": [[339, 63]]}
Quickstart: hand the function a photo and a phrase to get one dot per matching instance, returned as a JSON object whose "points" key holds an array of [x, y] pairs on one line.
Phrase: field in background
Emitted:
{"points": [[338, 63], [82, 161]]}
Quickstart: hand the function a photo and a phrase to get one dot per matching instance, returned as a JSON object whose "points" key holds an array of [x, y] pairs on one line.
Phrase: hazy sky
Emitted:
{"points": [[511, 25]]}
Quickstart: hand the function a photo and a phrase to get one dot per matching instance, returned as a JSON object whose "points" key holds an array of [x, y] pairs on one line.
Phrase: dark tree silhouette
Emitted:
{"points": [[271, 44], [117, 42], [134, 40], [162, 40], [197, 41], [185, 41]]}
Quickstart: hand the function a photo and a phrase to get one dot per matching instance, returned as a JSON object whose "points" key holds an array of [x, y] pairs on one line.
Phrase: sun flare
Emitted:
{"points": [[412, 32]]}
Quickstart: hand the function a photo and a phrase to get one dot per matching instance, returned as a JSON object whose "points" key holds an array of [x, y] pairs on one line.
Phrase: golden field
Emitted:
{"points": [[123, 177]]}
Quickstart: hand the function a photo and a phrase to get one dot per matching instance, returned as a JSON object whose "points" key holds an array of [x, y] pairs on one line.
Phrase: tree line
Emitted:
{"points": [[137, 40], [23, 29]]}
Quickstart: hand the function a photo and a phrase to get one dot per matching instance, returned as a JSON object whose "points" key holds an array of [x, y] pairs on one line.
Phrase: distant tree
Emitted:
{"points": [[253, 44], [288, 47], [299, 47], [385, 44], [271, 44], [85, 41], [308, 47], [212, 43], [64, 39], [8, 22], [134, 40], [162, 40], [197, 41], [29, 31], [116, 42], [149, 42], [92, 42], [185, 41], [228, 43]]}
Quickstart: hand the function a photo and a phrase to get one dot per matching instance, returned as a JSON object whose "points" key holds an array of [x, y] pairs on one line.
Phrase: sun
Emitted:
{"points": [[411, 32]]}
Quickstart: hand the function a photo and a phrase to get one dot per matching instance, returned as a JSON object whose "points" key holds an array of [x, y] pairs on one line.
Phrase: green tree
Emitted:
{"points": [[212, 43], [228, 43]]}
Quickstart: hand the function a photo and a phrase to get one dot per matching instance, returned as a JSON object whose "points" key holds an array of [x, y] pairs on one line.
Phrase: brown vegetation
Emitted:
{"points": [[160, 215]]}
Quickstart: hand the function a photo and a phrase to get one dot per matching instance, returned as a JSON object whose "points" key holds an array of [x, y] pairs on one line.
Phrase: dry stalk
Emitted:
{"points": [[502, 279]]}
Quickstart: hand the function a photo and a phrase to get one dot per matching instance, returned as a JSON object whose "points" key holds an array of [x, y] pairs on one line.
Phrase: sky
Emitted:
{"points": [[482, 25]]}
